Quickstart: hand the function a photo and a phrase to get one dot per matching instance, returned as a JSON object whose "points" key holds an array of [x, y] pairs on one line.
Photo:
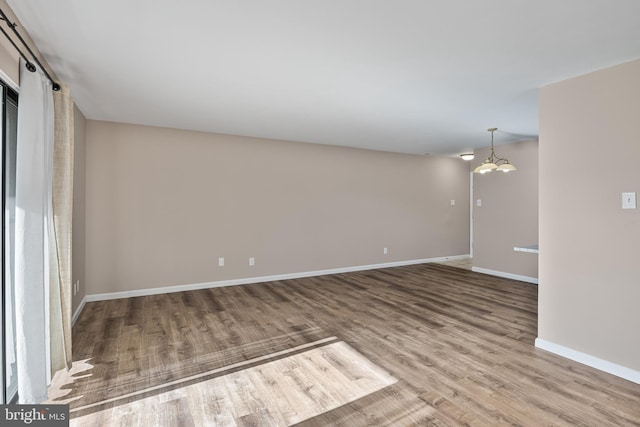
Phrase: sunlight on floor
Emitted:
{"points": [[465, 263], [62, 380], [279, 392]]}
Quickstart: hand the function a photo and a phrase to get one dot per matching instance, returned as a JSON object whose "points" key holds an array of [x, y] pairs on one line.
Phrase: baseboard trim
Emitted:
{"points": [[527, 279], [589, 360], [76, 313], [251, 280]]}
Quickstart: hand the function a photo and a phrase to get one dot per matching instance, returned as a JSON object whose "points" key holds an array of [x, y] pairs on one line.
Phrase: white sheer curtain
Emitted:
{"points": [[34, 165]]}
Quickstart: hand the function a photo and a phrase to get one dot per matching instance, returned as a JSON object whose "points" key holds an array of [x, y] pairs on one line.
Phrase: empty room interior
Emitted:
{"points": [[276, 213]]}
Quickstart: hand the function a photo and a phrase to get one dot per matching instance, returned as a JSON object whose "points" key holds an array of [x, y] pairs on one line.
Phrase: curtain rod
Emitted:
{"points": [[29, 65]]}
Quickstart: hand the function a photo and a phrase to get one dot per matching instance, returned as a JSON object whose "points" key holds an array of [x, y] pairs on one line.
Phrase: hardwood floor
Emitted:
{"points": [[454, 347], [466, 263]]}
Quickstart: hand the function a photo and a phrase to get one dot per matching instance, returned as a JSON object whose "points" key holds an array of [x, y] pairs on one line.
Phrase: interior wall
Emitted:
{"points": [[589, 270], [162, 205], [78, 231], [508, 215]]}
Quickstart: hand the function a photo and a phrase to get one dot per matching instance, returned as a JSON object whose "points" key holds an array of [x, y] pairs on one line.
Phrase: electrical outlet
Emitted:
{"points": [[220, 262], [385, 251], [453, 202], [252, 261]]}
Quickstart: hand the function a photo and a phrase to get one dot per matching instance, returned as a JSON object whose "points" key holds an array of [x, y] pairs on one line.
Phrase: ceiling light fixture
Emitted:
{"points": [[467, 156], [494, 162]]}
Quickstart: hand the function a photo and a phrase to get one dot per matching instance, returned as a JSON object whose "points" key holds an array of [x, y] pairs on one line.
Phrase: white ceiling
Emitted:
{"points": [[410, 76]]}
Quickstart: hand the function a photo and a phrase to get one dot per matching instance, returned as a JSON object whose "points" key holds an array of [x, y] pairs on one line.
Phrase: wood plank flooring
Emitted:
{"points": [[284, 392], [459, 344]]}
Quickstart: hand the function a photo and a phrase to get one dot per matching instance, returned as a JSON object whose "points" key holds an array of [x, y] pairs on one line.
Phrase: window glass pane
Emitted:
{"points": [[10, 113]]}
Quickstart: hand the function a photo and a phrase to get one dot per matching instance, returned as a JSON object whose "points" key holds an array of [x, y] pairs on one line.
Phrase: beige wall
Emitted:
{"points": [[508, 216], [589, 270], [78, 232], [162, 205]]}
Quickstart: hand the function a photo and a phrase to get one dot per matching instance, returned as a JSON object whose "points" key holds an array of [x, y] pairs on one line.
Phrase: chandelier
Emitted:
{"points": [[494, 162]]}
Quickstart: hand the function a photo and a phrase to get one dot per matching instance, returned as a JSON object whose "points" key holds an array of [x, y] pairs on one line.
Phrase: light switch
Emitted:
{"points": [[628, 200], [453, 202], [478, 202]]}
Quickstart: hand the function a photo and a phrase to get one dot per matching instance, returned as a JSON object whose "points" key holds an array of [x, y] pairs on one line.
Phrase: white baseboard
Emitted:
{"points": [[250, 280], [589, 360], [527, 279], [76, 313]]}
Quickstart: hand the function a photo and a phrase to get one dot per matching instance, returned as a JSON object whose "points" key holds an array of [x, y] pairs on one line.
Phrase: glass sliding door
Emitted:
{"points": [[9, 115]]}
